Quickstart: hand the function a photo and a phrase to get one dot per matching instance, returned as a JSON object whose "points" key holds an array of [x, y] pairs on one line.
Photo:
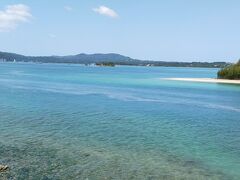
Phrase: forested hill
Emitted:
{"points": [[117, 59]]}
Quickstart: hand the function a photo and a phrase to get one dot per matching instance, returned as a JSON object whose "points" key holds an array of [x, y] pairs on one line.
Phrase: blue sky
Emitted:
{"points": [[171, 30]]}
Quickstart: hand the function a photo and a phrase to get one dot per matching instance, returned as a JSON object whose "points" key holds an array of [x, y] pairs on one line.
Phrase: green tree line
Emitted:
{"points": [[230, 72]]}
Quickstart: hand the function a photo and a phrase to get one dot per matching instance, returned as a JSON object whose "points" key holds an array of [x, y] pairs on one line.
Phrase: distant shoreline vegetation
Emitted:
{"points": [[110, 64], [230, 72], [110, 59]]}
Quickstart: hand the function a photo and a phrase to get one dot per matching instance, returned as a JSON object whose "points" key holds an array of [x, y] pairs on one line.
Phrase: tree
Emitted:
{"points": [[230, 72]]}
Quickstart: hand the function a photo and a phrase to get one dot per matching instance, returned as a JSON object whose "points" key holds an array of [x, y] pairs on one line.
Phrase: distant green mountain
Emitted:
{"points": [[117, 59], [230, 72]]}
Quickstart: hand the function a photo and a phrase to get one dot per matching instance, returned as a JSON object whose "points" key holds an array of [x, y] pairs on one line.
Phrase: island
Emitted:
{"points": [[101, 59], [109, 64]]}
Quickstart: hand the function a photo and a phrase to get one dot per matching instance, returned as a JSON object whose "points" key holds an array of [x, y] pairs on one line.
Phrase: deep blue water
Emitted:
{"points": [[75, 122]]}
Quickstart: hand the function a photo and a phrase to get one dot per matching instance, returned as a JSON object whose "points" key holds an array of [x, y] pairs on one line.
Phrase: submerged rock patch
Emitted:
{"points": [[3, 168]]}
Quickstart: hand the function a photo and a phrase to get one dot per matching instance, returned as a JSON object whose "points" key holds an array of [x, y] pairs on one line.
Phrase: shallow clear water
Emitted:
{"points": [[74, 122]]}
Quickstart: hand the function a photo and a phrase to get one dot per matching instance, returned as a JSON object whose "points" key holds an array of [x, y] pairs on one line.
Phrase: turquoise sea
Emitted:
{"points": [[60, 121]]}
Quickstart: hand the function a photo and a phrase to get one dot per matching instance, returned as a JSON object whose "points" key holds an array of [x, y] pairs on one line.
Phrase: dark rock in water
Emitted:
{"points": [[86, 154], [3, 168]]}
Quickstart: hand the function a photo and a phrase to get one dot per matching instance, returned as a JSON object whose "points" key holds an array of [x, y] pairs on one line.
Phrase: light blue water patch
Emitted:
{"points": [[69, 121]]}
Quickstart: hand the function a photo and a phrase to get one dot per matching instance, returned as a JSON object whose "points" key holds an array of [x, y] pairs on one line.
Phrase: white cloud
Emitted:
{"points": [[68, 8], [103, 10], [14, 15]]}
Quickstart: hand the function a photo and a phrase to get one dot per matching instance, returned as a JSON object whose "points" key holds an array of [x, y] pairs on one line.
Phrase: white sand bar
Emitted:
{"points": [[205, 80]]}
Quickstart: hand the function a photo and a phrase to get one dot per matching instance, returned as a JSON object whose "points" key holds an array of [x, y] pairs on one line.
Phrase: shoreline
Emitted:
{"points": [[205, 80]]}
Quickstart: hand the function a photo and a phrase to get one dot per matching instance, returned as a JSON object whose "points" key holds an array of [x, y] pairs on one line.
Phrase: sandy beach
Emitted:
{"points": [[206, 80]]}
